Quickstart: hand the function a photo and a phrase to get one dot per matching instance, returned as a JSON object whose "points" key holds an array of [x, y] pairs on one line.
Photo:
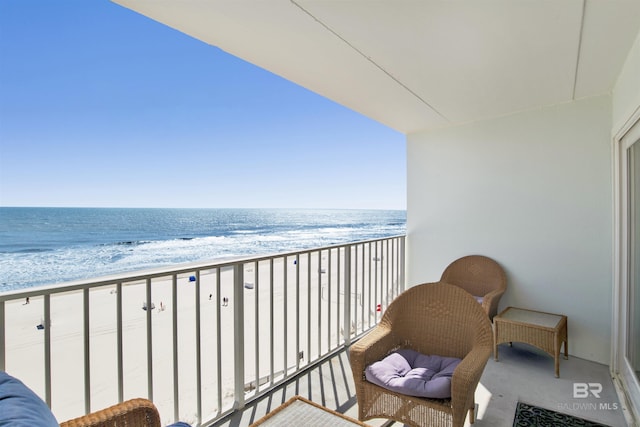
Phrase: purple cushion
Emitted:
{"points": [[408, 372]]}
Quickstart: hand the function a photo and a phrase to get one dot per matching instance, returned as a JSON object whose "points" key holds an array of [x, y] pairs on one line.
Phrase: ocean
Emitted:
{"points": [[46, 246]]}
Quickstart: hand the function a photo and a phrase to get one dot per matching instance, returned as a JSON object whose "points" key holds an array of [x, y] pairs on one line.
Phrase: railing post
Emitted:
{"points": [[2, 338], [47, 349], [271, 320], [297, 353], [218, 338], [403, 285], [87, 351], [347, 296], [174, 328], [198, 352], [256, 322], [119, 340], [148, 304], [238, 341]]}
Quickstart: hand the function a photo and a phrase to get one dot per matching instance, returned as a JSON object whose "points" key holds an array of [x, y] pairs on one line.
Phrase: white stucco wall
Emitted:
{"points": [[533, 191]]}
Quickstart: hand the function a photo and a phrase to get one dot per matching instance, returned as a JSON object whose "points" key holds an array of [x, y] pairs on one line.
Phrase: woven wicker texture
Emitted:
{"points": [[132, 413], [432, 318], [299, 411], [480, 276], [546, 331]]}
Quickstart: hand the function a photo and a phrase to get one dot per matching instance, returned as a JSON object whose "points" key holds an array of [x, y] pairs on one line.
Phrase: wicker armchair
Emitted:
{"points": [[481, 277], [132, 413], [434, 319]]}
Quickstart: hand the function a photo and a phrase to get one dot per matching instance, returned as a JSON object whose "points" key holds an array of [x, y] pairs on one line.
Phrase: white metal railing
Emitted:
{"points": [[200, 340]]}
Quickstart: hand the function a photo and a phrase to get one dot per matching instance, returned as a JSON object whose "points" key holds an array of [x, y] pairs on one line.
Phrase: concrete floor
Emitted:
{"points": [[523, 373], [526, 374]]}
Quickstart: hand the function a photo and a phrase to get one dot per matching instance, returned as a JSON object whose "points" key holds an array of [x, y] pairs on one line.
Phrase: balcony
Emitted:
{"points": [[523, 373], [225, 343]]}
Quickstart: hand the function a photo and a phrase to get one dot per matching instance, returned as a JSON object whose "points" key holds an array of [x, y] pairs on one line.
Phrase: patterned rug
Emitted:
{"points": [[535, 416]]}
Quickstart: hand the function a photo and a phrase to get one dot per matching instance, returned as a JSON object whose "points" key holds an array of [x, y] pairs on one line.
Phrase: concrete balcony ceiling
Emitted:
{"points": [[417, 65]]}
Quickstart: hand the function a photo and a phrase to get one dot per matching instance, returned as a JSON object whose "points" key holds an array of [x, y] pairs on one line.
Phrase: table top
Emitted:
{"points": [[302, 412], [531, 317]]}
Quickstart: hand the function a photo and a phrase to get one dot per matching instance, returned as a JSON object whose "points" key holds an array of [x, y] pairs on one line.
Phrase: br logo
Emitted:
{"points": [[583, 390]]}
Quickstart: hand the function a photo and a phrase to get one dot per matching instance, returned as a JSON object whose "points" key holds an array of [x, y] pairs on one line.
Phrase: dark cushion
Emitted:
{"points": [[19, 406], [408, 372]]}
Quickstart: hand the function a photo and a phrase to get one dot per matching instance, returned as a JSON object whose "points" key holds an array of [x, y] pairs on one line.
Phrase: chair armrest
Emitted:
{"points": [[490, 302], [372, 347], [466, 377]]}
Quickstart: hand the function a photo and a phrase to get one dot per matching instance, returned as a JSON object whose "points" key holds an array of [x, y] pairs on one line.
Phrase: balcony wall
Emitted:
{"points": [[532, 190], [626, 93]]}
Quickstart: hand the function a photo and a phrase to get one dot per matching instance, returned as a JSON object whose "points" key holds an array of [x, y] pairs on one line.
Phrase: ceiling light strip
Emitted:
{"points": [[370, 60]]}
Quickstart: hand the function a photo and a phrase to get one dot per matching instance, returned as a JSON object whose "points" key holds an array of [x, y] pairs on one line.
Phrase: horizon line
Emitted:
{"points": [[201, 208]]}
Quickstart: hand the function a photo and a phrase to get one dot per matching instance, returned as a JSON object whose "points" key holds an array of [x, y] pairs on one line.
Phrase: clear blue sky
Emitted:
{"points": [[100, 106]]}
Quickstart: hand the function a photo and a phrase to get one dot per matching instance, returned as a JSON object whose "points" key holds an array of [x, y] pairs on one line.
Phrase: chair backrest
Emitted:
{"points": [[476, 274], [438, 318]]}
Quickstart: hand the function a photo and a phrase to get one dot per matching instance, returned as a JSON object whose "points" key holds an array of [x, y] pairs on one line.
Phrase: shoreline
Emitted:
{"points": [[140, 274], [52, 247]]}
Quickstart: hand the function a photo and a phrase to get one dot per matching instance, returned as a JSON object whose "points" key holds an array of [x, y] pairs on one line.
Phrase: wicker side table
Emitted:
{"points": [[299, 411], [546, 331]]}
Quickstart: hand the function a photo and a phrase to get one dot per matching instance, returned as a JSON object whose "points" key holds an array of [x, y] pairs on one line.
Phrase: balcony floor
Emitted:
{"points": [[523, 373]]}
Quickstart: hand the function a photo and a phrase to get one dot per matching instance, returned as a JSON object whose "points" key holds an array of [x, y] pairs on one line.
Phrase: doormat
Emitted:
{"points": [[535, 416]]}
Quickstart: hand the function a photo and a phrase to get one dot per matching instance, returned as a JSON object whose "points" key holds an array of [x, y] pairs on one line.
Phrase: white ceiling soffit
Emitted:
{"points": [[416, 65]]}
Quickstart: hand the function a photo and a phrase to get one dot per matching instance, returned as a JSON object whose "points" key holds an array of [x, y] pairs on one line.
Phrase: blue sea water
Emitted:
{"points": [[42, 246]]}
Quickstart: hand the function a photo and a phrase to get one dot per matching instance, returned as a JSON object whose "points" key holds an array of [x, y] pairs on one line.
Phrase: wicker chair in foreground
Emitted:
{"points": [[481, 276], [132, 413], [433, 319]]}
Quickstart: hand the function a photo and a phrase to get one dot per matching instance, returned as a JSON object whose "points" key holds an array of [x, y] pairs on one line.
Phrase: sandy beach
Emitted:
{"points": [[270, 313]]}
